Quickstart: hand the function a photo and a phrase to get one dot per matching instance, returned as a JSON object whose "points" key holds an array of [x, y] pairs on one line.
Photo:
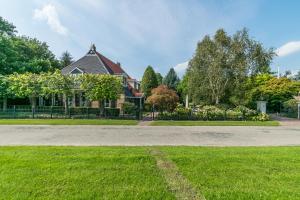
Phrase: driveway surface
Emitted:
{"points": [[146, 135]]}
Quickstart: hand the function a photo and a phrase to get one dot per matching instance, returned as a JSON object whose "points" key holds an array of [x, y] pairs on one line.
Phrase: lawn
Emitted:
{"points": [[214, 123], [67, 122], [230, 173], [79, 173], [241, 173]]}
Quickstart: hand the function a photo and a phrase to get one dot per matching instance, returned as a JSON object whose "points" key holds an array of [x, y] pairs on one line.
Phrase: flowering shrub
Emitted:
{"points": [[212, 113], [261, 117]]}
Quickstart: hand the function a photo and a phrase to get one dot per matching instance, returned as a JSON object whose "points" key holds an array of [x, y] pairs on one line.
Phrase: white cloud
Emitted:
{"points": [[181, 68], [288, 48], [49, 14]]}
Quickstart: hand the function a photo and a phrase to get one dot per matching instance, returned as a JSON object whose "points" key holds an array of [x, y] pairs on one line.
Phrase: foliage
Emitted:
{"points": [[261, 117], [290, 107], [159, 79], [129, 108], [26, 85], [57, 83], [275, 91], [112, 112], [100, 87], [149, 81], [20, 54], [222, 64], [4, 87], [209, 113], [163, 98], [182, 87], [7, 28], [171, 80], [66, 59]]}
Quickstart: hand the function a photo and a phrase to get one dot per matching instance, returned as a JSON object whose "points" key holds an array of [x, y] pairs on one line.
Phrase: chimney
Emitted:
{"points": [[119, 64]]}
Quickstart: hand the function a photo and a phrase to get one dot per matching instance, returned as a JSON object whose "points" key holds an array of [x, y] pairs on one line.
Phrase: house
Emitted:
{"points": [[96, 63]]}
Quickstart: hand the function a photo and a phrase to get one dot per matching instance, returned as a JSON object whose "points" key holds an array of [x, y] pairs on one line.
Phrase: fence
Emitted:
{"points": [[59, 112]]}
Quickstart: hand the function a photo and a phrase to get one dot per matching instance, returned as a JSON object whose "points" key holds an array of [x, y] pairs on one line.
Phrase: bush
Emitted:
{"points": [[247, 113], [261, 117], [290, 106], [234, 115], [112, 112], [211, 113], [129, 108]]}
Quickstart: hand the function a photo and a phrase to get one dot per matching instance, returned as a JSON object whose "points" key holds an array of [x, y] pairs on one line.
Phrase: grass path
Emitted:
{"points": [[177, 183]]}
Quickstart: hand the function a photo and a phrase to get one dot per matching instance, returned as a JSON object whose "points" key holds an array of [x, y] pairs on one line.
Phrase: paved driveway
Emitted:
{"points": [[140, 136]]}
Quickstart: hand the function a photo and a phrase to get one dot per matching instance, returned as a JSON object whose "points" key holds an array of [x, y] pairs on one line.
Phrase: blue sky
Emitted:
{"points": [[161, 33]]}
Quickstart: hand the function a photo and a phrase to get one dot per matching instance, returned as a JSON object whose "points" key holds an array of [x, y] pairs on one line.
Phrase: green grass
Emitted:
{"points": [[219, 173], [66, 122], [79, 173], [214, 123], [241, 173]]}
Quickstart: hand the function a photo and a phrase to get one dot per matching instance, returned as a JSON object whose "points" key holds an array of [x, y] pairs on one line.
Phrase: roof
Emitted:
{"points": [[95, 63]]}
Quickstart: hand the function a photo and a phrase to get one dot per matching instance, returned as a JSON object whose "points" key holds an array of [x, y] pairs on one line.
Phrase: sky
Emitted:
{"points": [[160, 33]]}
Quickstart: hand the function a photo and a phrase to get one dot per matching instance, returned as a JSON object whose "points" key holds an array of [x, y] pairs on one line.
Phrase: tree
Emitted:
{"points": [[101, 87], [57, 84], [4, 90], [273, 90], [163, 98], [7, 28], [159, 78], [66, 59], [20, 54], [182, 89], [26, 85], [171, 80], [149, 81], [222, 64]]}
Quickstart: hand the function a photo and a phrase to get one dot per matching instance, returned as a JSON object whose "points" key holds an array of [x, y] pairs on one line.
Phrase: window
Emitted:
{"points": [[106, 103]]}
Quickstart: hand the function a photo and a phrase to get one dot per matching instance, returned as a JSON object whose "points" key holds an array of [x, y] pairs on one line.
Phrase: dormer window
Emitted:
{"points": [[76, 71]]}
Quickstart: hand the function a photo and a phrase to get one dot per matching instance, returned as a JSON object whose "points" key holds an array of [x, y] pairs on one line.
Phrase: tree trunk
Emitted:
{"points": [[101, 107], [53, 99], [33, 102], [65, 99], [4, 104], [187, 101], [217, 100]]}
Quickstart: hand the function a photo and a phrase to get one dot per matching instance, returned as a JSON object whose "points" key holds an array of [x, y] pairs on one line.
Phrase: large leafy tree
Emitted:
{"points": [[222, 64], [149, 81], [101, 87], [7, 28], [171, 80], [20, 54], [163, 98], [273, 90], [66, 59]]}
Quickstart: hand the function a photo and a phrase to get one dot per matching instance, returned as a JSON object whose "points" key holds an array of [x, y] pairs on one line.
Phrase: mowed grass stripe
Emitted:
{"points": [[214, 123], [67, 122], [177, 183]]}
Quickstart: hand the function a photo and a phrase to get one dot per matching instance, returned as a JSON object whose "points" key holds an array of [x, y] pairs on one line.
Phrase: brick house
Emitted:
{"points": [[95, 63]]}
